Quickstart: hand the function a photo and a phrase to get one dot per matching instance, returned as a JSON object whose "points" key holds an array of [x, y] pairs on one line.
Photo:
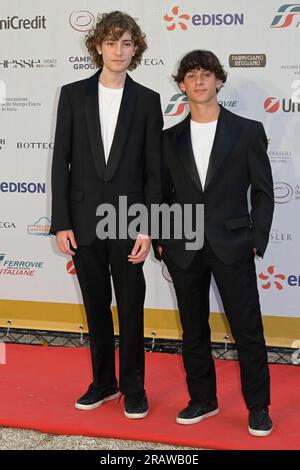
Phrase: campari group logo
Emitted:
{"points": [[287, 15], [178, 19]]}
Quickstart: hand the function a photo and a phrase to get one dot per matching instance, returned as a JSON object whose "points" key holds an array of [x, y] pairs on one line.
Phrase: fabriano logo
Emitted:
{"points": [[287, 15], [176, 19]]}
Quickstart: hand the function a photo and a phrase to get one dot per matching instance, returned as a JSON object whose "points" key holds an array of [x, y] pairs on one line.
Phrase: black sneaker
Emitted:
{"points": [[260, 423], [93, 398], [136, 405], [197, 411]]}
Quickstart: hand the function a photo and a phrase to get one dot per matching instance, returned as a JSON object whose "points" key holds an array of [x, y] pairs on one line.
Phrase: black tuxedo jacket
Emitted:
{"points": [[238, 161], [81, 179]]}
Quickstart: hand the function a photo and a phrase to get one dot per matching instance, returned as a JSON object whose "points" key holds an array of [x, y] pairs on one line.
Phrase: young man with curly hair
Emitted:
{"points": [[107, 145], [213, 157]]}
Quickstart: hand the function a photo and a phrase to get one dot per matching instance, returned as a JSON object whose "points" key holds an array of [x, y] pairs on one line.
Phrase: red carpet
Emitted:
{"points": [[39, 386]]}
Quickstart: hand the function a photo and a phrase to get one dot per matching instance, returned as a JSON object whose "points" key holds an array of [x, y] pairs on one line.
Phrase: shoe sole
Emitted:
{"points": [[135, 415], [198, 419], [256, 433], [79, 406]]}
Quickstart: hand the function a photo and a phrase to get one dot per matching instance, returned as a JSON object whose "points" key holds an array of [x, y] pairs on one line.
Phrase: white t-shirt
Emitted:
{"points": [[202, 136], [109, 106]]}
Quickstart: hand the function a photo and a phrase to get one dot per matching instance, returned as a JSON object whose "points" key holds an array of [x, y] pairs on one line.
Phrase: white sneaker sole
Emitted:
{"points": [[253, 432], [198, 419], [135, 415], [98, 403]]}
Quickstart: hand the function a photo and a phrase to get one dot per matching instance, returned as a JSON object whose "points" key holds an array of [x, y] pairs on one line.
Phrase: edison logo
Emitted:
{"points": [[176, 19], [272, 279], [177, 105], [287, 15]]}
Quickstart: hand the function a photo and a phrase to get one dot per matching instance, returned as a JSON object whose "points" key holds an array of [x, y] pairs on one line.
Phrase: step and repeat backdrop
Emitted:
{"points": [[42, 48]]}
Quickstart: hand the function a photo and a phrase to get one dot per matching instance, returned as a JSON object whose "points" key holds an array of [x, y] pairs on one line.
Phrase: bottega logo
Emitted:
{"points": [[176, 19], [287, 15], [272, 279]]}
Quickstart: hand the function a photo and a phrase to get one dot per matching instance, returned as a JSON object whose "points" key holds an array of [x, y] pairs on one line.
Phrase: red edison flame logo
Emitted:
{"points": [[272, 279]]}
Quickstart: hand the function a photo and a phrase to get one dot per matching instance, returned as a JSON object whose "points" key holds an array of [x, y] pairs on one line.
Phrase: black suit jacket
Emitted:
{"points": [[81, 179], [238, 161]]}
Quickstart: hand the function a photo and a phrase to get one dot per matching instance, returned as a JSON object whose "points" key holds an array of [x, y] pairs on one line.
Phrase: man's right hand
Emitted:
{"points": [[65, 238]]}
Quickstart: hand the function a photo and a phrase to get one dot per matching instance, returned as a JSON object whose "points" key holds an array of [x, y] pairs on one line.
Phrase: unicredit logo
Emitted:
{"points": [[287, 105], [271, 104], [15, 22], [81, 20]]}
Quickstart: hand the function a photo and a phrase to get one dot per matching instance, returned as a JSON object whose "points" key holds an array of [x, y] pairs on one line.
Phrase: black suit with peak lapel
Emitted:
{"points": [[81, 181], [238, 161]]}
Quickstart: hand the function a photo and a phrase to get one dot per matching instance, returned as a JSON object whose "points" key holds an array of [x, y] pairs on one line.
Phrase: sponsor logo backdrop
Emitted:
{"points": [[42, 47]]}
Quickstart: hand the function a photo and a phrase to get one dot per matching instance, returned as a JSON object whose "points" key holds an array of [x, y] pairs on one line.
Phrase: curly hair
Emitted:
{"points": [[200, 59], [114, 25]]}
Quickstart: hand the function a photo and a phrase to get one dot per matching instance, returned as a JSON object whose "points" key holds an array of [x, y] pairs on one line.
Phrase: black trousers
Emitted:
{"points": [[237, 285], [95, 264]]}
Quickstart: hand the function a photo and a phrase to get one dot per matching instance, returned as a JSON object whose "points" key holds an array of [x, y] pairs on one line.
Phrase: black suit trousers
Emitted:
{"points": [[95, 265], [237, 285]]}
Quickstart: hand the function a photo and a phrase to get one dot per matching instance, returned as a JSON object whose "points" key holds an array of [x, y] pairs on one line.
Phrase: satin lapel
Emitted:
{"points": [[227, 133], [93, 124], [186, 155], [126, 112]]}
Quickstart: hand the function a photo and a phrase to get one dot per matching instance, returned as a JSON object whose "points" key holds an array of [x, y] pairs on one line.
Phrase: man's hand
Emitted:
{"points": [[255, 251], [63, 240], [140, 250], [159, 250]]}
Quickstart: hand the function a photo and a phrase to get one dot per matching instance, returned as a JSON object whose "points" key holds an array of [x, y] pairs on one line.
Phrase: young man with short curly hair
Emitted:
{"points": [[107, 145]]}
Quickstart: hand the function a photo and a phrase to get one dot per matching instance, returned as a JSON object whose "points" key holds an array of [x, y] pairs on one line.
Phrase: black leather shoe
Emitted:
{"points": [[197, 411], [260, 423], [136, 405], [93, 398]]}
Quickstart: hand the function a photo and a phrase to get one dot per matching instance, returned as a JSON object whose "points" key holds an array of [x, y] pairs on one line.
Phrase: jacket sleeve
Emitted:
{"points": [[262, 195], [60, 176], [153, 157], [167, 190]]}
